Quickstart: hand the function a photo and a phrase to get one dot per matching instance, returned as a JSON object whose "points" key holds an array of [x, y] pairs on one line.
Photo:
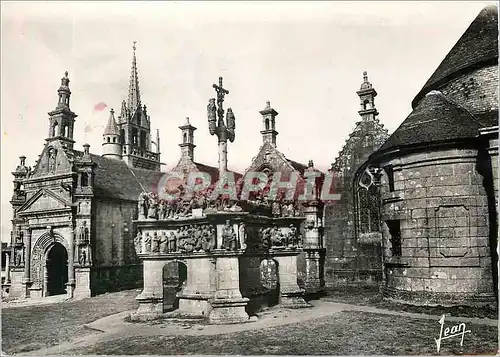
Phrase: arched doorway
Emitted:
{"points": [[269, 279], [57, 270], [174, 276]]}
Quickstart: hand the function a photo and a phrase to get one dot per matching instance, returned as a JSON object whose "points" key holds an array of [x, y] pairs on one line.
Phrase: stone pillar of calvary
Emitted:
{"points": [[224, 132]]}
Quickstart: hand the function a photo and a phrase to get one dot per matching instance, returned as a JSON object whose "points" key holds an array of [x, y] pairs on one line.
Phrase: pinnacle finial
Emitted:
{"points": [[310, 164], [66, 74], [134, 95], [187, 121], [268, 104], [112, 111], [365, 76]]}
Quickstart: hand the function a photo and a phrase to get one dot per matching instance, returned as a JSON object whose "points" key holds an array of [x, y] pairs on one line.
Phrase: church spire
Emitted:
{"points": [[134, 95]]}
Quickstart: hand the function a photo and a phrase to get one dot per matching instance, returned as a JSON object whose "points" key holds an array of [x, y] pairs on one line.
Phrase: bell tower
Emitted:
{"points": [[268, 131], [187, 145], [62, 119], [367, 96], [134, 126]]}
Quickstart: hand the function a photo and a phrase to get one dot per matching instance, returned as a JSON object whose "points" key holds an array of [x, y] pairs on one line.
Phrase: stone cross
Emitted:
{"points": [[221, 92], [224, 132]]}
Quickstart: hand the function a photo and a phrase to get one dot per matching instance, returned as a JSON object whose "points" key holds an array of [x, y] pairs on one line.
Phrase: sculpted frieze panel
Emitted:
{"points": [[184, 239]]}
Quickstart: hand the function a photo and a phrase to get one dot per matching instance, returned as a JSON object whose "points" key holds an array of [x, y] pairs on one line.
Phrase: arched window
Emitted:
{"points": [[366, 104], [122, 136], [134, 136], [368, 205], [184, 138], [143, 139], [108, 139], [55, 129], [66, 131], [114, 139], [267, 124]]}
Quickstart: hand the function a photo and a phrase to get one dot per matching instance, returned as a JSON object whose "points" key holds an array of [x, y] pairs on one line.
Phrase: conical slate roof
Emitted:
{"points": [[435, 119], [478, 45], [111, 127]]}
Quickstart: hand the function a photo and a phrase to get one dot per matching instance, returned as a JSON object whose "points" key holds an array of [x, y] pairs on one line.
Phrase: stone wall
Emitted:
{"points": [[116, 266], [109, 279], [442, 208], [114, 233], [477, 90], [347, 260]]}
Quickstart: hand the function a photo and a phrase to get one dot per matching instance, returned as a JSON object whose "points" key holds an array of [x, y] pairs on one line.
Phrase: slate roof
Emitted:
{"points": [[111, 127], [297, 166], [477, 45], [214, 171], [115, 179], [435, 119]]}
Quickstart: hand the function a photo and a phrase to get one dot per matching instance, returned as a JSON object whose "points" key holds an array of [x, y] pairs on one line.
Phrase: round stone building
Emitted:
{"points": [[437, 178]]}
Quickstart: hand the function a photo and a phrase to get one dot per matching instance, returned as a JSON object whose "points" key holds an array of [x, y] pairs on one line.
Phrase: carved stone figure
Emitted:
{"points": [[242, 235], [155, 243], [198, 237], [163, 242], [82, 258], [276, 237], [180, 234], [138, 243], [19, 238], [265, 234], [235, 208], [292, 236], [276, 208], [161, 210], [309, 224], [211, 114], [19, 256], [172, 242], [52, 160], [228, 237], [189, 241], [142, 205], [169, 210], [147, 243], [153, 210]]}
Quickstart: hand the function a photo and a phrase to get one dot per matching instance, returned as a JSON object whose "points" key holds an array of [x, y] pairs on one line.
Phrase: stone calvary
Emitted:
{"points": [[220, 243]]}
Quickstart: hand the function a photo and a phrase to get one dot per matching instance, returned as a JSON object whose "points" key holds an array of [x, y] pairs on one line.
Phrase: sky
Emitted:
{"points": [[306, 58]]}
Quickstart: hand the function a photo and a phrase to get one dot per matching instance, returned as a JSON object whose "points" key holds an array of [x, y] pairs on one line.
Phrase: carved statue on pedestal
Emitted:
{"points": [[82, 257], [142, 205]]}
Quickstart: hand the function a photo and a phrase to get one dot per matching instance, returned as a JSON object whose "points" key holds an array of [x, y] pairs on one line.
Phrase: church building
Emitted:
{"points": [[437, 177], [72, 213]]}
